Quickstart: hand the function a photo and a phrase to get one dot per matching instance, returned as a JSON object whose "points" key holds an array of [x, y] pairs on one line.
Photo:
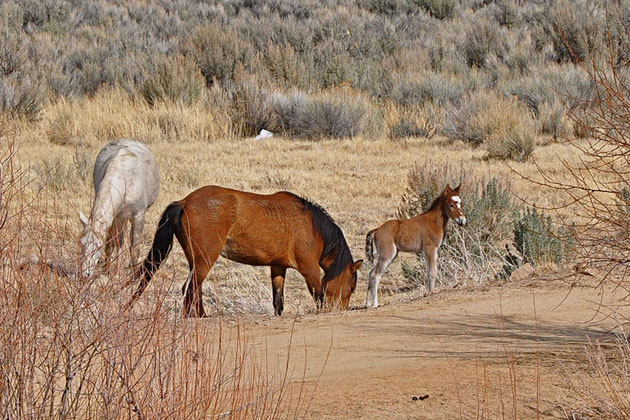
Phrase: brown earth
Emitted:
{"points": [[492, 352]]}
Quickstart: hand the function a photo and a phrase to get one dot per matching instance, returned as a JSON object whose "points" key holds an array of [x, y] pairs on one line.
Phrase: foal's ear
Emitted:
{"points": [[456, 190], [447, 189], [84, 220], [356, 266]]}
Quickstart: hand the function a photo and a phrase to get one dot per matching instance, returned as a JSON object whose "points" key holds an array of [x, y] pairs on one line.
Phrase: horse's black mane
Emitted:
{"points": [[334, 242]]}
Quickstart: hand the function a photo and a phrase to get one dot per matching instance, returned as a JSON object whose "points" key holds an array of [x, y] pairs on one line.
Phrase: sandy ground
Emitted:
{"points": [[493, 352]]}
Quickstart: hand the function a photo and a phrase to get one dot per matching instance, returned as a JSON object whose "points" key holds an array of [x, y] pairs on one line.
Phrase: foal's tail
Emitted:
{"points": [[369, 246], [170, 224]]}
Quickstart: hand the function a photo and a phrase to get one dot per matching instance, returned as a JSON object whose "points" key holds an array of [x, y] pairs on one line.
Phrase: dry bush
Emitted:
{"points": [[433, 87], [330, 115], [597, 183], [176, 80], [482, 39], [597, 194], [555, 122], [219, 53], [603, 392], [413, 121], [574, 29], [503, 125], [163, 51], [439, 9], [20, 98], [251, 110], [516, 144]]}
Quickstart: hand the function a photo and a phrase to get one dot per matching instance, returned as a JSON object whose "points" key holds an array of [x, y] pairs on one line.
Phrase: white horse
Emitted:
{"points": [[126, 183]]}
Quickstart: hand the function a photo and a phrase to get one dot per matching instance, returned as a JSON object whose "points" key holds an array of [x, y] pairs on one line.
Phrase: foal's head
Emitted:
{"points": [[453, 205], [91, 247]]}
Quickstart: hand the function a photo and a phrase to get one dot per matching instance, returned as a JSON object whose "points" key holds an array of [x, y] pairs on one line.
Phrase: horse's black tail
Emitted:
{"points": [[170, 224], [369, 246]]}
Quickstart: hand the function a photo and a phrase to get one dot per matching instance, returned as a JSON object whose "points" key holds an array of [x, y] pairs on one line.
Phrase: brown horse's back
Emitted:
{"points": [[253, 229]]}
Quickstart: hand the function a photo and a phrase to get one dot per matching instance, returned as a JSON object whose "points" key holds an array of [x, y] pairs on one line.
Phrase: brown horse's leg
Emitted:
{"points": [[277, 285], [386, 254], [430, 253], [313, 277], [193, 295]]}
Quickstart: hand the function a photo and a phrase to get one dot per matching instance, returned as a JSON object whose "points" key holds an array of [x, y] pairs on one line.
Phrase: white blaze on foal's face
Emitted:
{"points": [[456, 202]]}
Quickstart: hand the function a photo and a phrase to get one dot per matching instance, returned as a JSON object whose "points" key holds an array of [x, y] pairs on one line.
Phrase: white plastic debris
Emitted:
{"points": [[264, 134]]}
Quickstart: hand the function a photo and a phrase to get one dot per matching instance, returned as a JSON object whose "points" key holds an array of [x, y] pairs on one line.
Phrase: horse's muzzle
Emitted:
{"points": [[461, 221]]}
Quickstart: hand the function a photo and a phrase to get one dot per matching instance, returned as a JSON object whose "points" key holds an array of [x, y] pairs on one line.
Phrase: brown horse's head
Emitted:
{"points": [[340, 271], [453, 205], [340, 289]]}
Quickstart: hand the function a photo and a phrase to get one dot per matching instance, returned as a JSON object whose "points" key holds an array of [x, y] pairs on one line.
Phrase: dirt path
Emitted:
{"points": [[470, 351]]}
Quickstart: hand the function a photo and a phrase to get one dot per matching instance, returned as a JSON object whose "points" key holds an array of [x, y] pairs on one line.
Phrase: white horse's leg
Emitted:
{"points": [[114, 241], [385, 257], [137, 226], [430, 254]]}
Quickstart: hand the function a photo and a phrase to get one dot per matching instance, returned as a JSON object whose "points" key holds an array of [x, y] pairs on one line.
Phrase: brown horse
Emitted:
{"points": [[424, 232], [280, 230]]}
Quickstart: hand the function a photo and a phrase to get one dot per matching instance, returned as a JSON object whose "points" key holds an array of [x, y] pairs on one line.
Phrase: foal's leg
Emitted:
{"points": [[277, 285], [386, 254], [430, 254]]}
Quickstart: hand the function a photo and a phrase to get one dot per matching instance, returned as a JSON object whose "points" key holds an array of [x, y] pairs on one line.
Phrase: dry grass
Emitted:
{"points": [[359, 181]]}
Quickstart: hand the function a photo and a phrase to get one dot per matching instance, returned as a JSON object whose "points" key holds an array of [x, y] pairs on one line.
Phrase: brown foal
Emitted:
{"points": [[424, 232]]}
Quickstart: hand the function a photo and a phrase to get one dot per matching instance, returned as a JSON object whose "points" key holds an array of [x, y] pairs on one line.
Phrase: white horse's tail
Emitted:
{"points": [[369, 246]]}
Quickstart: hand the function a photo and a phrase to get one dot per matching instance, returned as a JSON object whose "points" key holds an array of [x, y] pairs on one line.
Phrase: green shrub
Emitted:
{"points": [[623, 202], [435, 87], [481, 39], [535, 239], [575, 29], [174, 80], [21, 99], [251, 111], [328, 116], [506, 13], [439, 9], [517, 144], [58, 175]]}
